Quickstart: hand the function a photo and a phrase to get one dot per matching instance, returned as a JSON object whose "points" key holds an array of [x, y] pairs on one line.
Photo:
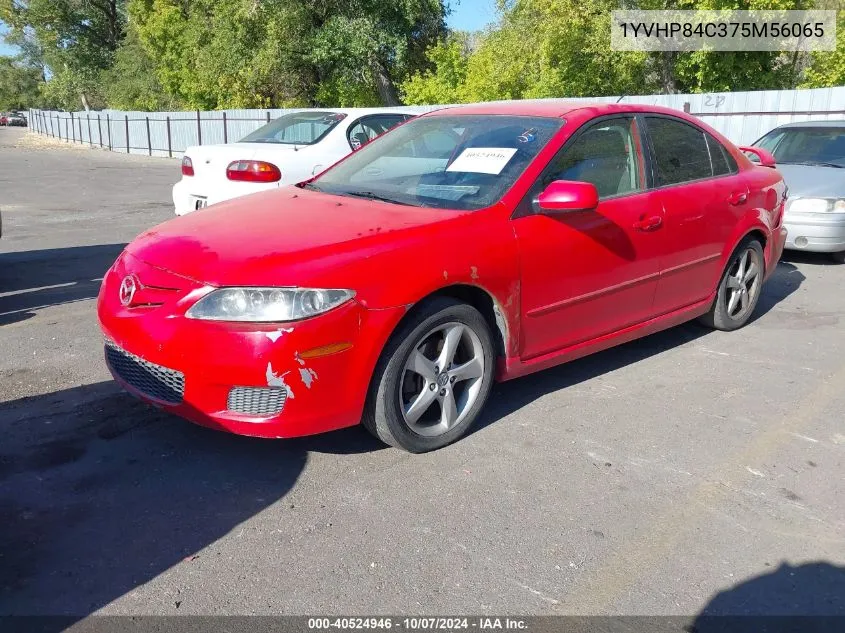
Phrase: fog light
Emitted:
{"points": [[801, 242]]}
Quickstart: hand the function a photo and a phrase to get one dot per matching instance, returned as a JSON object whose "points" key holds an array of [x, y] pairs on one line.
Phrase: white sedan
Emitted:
{"points": [[286, 151]]}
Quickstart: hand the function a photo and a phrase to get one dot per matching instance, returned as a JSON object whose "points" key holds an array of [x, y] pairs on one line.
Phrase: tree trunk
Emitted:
{"points": [[667, 72], [384, 85], [84, 99]]}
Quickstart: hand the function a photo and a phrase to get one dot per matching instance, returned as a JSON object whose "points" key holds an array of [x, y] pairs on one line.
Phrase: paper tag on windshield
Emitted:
{"points": [[483, 160]]}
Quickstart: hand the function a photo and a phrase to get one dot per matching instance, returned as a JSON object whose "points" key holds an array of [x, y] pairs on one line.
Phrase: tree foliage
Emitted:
{"points": [[206, 54], [19, 84]]}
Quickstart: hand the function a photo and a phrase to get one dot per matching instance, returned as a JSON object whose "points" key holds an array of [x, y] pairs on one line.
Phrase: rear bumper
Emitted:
{"points": [[816, 232], [185, 191], [774, 249]]}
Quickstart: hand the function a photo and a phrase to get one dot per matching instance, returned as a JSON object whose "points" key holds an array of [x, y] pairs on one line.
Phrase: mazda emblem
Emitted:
{"points": [[127, 289]]}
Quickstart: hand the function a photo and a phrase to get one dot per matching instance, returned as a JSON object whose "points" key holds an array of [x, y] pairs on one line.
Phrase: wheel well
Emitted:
{"points": [[759, 235], [481, 301]]}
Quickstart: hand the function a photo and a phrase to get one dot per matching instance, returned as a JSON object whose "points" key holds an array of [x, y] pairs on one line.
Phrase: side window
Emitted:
{"points": [[680, 151], [723, 162], [606, 154]]}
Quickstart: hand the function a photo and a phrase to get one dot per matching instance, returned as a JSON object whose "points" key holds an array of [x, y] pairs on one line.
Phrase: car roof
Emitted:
{"points": [[839, 123], [553, 108]]}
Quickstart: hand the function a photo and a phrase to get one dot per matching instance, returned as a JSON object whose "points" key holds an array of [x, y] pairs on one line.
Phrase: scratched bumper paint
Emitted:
{"points": [[324, 392]]}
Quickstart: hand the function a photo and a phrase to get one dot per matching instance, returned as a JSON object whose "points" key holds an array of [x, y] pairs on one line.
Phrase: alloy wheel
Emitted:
{"points": [[441, 379], [743, 284]]}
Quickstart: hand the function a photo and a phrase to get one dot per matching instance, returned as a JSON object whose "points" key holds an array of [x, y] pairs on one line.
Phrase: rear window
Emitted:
{"points": [[298, 128]]}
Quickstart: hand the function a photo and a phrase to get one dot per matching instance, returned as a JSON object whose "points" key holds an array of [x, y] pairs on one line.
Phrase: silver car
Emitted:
{"points": [[811, 157]]}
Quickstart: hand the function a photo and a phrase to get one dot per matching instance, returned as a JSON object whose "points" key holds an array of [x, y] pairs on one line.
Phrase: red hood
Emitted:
{"points": [[283, 237]]}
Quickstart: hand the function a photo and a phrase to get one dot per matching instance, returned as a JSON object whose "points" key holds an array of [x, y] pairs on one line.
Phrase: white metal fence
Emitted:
{"points": [[741, 116]]}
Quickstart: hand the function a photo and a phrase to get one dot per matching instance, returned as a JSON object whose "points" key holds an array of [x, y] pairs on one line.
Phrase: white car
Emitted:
{"points": [[286, 151]]}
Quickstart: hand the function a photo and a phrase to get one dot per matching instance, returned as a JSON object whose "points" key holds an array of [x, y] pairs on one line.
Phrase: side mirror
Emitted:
{"points": [[568, 195], [764, 158]]}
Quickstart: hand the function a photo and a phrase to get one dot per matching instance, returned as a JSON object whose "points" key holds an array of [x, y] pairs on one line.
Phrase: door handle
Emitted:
{"points": [[738, 197], [648, 224]]}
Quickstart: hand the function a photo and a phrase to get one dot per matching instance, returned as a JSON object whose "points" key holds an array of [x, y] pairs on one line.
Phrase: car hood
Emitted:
{"points": [[284, 237], [813, 181]]}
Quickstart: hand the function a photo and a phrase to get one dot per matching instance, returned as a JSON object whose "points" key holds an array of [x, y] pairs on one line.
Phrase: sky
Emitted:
{"points": [[471, 15], [467, 15], [5, 49]]}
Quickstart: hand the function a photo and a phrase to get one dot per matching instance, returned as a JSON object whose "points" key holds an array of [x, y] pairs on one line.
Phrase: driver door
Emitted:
{"points": [[587, 274]]}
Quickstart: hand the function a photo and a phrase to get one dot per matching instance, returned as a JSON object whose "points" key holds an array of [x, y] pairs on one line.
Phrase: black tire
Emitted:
{"points": [[719, 317], [383, 414], [839, 257]]}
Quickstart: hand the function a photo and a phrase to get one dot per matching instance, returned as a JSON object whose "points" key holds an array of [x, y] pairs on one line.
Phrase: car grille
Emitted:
{"points": [[155, 381], [256, 400]]}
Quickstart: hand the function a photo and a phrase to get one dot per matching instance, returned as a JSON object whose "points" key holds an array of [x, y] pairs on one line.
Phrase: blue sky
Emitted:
{"points": [[467, 15], [472, 15], [5, 49]]}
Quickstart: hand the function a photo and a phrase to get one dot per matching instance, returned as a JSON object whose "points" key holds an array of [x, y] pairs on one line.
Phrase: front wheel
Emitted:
{"points": [[739, 289], [433, 378]]}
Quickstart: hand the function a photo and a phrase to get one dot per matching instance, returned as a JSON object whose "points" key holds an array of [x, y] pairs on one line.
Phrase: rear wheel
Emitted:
{"points": [[739, 290], [839, 257], [433, 378]]}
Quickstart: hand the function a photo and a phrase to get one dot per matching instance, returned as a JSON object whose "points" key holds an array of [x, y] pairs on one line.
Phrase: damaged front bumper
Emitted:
{"points": [[266, 380]]}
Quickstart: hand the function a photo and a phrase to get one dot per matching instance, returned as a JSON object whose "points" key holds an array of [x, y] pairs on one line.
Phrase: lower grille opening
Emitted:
{"points": [[155, 381], [262, 401]]}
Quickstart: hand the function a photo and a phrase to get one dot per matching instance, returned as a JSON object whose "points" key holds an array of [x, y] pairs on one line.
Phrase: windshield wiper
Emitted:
{"points": [[369, 195], [811, 163]]}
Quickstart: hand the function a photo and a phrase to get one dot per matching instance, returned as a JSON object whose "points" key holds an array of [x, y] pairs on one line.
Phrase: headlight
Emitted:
{"points": [[266, 304], [816, 205]]}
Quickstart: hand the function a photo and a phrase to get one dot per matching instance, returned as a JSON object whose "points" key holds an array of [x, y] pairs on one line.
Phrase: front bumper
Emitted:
{"points": [[815, 232], [315, 372]]}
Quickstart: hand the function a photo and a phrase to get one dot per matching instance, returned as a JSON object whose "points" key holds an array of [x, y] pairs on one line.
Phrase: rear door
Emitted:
{"points": [[588, 274], [703, 195]]}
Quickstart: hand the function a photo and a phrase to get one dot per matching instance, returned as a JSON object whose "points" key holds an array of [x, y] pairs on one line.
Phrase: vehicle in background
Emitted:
{"points": [[811, 157], [290, 149], [469, 244], [4, 118], [13, 119]]}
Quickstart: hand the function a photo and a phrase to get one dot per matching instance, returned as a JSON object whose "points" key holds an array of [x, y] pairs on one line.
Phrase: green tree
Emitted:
{"points": [[19, 84], [827, 68], [443, 83], [76, 39]]}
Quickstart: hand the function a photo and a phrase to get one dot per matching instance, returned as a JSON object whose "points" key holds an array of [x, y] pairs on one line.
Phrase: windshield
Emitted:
{"points": [[299, 128], [806, 145], [454, 161]]}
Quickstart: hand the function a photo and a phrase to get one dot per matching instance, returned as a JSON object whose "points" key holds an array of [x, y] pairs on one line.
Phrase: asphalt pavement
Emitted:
{"points": [[686, 472]]}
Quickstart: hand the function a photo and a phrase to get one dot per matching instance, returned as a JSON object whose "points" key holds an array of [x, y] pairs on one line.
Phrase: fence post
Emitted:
{"points": [[169, 146], [199, 129], [72, 129], [99, 130], [687, 107], [79, 122], [268, 116], [225, 133], [149, 140], [90, 140], [108, 126], [51, 128], [126, 121]]}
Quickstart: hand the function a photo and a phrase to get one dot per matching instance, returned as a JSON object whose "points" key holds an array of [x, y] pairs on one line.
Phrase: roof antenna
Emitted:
{"points": [[620, 98]]}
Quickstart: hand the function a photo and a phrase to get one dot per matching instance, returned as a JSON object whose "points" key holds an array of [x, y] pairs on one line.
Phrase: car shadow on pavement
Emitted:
{"points": [[100, 493], [808, 597], [43, 278], [813, 259], [513, 395]]}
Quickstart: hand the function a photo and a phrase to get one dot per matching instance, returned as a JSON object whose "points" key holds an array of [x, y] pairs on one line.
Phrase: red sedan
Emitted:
{"points": [[468, 245]]}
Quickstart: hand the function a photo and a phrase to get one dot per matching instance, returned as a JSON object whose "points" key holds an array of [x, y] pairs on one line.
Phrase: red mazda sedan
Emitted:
{"points": [[468, 245]]}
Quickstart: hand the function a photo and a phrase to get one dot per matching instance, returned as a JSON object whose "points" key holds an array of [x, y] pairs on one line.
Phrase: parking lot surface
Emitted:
{"points": [[690, 470]]}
